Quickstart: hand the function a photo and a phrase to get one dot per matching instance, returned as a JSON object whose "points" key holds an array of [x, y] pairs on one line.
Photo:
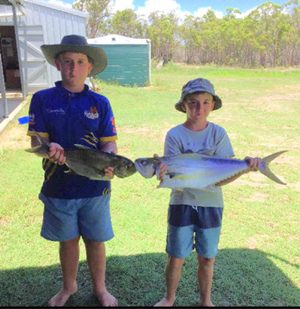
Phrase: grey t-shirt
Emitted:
{"points": [[212, 141]]}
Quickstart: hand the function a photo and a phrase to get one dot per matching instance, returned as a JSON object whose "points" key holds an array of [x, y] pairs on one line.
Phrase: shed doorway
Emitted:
{"points": [[9, 57]]}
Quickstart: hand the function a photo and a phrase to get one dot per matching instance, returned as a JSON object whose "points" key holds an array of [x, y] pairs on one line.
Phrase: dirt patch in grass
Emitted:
{"points": [[15, 138], [256, 241], [259, 197], [4, 221]]}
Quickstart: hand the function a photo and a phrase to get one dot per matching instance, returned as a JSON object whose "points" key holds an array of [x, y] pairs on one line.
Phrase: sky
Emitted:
{"points": [[182, 7]]}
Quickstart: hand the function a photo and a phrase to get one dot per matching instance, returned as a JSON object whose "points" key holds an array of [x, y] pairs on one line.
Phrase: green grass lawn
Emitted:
{"points": [[259, 253]]}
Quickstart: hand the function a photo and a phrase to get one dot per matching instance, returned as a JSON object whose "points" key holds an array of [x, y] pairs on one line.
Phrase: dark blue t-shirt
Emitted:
{"points": [[70, 118]]}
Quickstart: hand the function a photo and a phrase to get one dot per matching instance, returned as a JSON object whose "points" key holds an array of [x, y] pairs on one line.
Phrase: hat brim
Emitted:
{"points": [[97, 54], [217, 100]]}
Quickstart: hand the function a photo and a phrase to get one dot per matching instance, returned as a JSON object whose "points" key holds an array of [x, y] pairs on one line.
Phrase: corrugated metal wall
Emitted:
{"points": [[56, 23], [42, 23], [127, 64]]}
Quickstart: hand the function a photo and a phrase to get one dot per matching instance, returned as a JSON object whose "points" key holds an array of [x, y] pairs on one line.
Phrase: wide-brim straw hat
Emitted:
{"points": [[77, 44], [198, 85]]}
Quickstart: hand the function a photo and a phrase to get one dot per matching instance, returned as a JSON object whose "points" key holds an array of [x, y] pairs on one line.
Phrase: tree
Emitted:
{"points": [[126, 23], [270, 28], [268, 36], [292, 47], [99, 13], [191, 33], [163, 30]]}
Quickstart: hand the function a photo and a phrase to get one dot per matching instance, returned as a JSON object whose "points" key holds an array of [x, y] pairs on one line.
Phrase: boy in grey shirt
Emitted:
{"points": [[194, 215]]}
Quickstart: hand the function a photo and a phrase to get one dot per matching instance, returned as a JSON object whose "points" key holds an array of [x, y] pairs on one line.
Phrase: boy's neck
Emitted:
{"points": [[73, 88], [196, 126]]}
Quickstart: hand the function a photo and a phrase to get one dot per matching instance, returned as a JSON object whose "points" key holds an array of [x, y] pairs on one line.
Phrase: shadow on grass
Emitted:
{"points": [[243, 277]]}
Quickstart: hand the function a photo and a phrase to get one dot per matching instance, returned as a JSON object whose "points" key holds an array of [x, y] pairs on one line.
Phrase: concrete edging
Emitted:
{"points": [[11, 116]]}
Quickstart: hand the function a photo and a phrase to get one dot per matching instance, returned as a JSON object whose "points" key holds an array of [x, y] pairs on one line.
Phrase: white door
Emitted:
{"points": [[34, 65]]}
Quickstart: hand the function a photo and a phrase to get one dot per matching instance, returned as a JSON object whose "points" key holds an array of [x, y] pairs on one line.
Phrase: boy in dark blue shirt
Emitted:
{"points": [[74, 206]]}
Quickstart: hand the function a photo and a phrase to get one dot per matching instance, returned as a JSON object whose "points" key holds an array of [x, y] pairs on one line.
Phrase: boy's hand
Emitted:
{"points": [[162, 169], [253, 163], [109, 172], [56, 154]]}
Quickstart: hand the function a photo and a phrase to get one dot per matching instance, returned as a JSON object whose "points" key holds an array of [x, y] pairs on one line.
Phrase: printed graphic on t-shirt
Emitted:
{"points": [[113, 122], [92, 113]]}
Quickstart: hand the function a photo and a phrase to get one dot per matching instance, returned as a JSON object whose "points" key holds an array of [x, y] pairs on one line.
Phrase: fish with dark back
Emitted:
{"points": [[89, 162]]}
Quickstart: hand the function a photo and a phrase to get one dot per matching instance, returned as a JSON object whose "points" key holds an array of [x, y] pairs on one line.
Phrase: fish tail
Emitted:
{"points": [[41, 148], [39, 138], [35, 149], [264, 167]]}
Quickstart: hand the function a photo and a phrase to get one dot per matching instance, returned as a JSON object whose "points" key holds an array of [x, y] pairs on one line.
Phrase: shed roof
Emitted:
{"points": [[116, 39], [48, 4], [58, 7]]}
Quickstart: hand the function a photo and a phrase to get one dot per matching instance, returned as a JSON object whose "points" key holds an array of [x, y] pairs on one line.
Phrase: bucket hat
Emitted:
{"points": [[77, 44], [198, 85]]}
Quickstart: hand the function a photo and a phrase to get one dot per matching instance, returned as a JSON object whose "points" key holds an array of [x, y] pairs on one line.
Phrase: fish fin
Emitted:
{"points": [[161, 185], [82, 146], [34, 149], [264, 167], [87, 140]]}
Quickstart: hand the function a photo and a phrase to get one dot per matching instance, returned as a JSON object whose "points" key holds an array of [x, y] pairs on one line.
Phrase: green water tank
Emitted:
{"points": [[129, 60]]}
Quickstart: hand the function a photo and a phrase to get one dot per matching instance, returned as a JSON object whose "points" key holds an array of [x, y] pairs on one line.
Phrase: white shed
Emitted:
{"points": [[23, 29]]}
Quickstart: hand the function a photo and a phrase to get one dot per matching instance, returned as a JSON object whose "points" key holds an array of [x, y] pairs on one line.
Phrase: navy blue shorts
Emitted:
{"points": [[66, 219], [193, 227]]}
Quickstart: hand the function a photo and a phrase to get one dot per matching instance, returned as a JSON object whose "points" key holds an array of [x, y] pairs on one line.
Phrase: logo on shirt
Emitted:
{"points": [[113, 123], [92, 113], [56, 111]]}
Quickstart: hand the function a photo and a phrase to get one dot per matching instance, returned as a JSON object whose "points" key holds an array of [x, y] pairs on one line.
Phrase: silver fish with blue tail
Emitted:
{"points": [[89, 162], [196, 171]]}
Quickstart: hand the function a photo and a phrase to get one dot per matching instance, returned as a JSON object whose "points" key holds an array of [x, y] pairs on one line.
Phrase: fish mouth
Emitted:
{"points": [[131, 169], [145, 168]]}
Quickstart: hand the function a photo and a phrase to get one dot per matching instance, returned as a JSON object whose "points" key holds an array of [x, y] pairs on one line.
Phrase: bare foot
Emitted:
{"points": [[164, 302], [61, 298], [209, 304], [106, 299]]}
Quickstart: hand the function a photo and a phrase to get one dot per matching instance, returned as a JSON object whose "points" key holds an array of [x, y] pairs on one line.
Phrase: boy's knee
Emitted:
{"points": [[70, 242], [206, 262], [92, 243], [175, 262]]}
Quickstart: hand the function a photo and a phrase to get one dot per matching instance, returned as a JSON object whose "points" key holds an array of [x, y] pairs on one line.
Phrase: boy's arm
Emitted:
{"points": [[110, 147]]}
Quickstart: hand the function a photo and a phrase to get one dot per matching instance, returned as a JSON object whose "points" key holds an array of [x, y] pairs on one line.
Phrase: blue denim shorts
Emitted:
{"points": [[66, 219], [193, 227]]}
